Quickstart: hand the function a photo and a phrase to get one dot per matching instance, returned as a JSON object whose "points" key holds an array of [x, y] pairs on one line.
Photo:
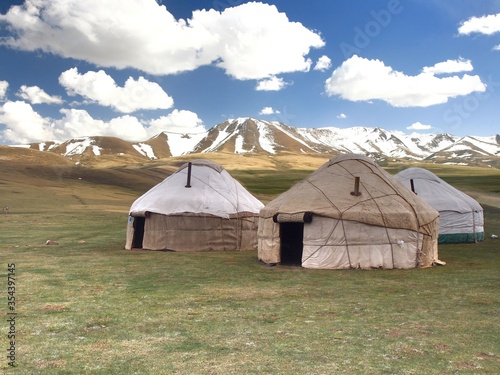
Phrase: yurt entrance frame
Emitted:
{"points": [[138, 237], [292, 243], [292, 236]]}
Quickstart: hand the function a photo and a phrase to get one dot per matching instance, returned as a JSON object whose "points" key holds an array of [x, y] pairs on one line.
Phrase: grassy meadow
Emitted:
{"points": [[87, 306]]}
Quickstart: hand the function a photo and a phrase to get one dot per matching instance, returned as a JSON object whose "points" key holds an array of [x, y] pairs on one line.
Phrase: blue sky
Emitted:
{"points": [[134, 68]]}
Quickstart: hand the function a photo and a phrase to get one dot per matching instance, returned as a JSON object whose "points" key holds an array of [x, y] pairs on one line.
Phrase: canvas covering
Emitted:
{"points": [[386, 226], [461, 216], [215, 213], [213, 192]]}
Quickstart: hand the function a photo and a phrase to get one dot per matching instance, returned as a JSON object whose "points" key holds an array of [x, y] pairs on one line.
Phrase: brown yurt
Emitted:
{"points": [[349, 213]]}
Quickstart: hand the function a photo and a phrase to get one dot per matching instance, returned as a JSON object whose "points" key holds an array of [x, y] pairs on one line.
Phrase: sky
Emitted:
{"points": [[134, 68]]}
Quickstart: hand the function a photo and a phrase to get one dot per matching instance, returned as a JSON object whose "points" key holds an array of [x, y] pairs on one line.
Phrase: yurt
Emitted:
{"points": [[461, 217], [198, 208], [349, 213]]}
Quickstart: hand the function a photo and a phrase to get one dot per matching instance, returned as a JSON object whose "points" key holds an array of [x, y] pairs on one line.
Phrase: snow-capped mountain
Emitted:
{"points": [[253, 136]]}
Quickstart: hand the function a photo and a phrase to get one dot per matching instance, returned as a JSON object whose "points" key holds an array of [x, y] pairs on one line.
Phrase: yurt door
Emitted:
{"points": [[138, 232], [292, 241]]}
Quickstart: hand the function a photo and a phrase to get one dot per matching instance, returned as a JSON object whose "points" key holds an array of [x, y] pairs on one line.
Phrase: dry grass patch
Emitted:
{"points": [[56, 307], [243, 162]]}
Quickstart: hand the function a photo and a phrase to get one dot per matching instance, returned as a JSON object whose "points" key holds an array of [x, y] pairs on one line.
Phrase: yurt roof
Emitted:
{"points": [[213, 191], [437, 192], [383, 200]]}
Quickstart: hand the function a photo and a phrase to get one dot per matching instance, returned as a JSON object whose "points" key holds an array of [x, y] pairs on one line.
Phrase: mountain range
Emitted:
{"points": [[253, 136]]}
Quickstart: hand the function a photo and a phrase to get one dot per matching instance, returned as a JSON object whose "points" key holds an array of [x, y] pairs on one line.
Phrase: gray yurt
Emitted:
{"points": [[461, 217], [198, 208]]}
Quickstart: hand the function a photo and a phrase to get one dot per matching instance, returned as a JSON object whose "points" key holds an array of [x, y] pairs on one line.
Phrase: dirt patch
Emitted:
{"points": [[488, 356], [441, 348], [54, 363], [56, 307], [465, 366]]}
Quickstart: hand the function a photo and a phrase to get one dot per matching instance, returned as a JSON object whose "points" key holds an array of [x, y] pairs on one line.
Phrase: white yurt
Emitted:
{"points": [[198, 208], [461, 216], [349, 213]]}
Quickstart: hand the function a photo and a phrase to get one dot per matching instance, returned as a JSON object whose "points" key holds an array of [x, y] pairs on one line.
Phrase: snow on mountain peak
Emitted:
{"points": [[246, 135]]}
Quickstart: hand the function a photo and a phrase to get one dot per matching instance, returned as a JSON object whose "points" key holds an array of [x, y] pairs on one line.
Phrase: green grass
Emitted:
{"points": [[94, 308], [105, 310], [265, 184], [470, 178]]}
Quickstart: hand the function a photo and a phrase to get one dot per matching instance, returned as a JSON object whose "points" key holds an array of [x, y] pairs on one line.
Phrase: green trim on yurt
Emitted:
{"points": [[460, 237]]}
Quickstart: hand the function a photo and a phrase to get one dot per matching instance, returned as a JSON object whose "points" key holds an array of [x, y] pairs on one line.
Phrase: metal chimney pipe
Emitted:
{"points": [[412, 186], [188, 184], [356, 187]]}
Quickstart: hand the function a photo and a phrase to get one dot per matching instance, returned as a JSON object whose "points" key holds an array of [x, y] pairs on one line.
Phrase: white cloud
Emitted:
{"points": [[101, 88], [249, 41], [255, 40], [4, 85], [271, 84], [496, 48], [269, 111], [177, 122], [342, 116], [23, 124], [36, 95], [323, 63], [360, 79], [449, 66], [79, 123], [418, 126], [487, 25]]}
